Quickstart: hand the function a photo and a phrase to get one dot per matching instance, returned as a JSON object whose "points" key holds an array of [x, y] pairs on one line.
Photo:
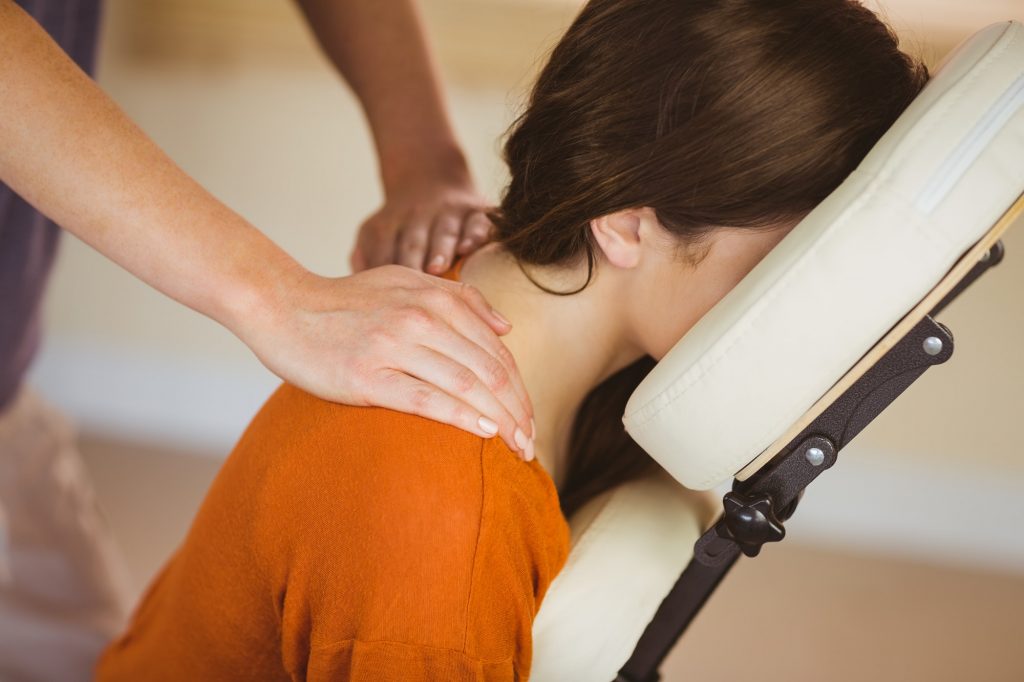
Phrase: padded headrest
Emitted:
{"points": [[949, 167]]}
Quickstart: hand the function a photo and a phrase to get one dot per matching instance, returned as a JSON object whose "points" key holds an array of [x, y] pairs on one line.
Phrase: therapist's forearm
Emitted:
{"points": [[71, 152], [381, 50]]}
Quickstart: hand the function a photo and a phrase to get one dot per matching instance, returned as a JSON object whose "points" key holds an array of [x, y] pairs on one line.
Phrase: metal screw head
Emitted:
{"points": [[816, 456], [932, 345]]}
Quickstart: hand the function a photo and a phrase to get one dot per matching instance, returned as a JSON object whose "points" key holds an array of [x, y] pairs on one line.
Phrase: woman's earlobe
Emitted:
{"points": [[618, 236]]}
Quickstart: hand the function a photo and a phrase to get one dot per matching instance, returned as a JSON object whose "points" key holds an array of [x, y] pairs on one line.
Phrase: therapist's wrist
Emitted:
{"points": [[441, 163], [262, 296]]}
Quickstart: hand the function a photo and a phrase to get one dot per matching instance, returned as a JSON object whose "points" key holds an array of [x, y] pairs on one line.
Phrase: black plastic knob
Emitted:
{"points": [[751, 521]]}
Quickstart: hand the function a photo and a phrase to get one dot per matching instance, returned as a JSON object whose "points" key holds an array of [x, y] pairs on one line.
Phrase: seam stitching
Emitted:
{"points": [[476, 549]]}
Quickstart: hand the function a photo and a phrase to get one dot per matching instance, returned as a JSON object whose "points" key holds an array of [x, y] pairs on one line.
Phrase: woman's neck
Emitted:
{"points": [[563, 345]]}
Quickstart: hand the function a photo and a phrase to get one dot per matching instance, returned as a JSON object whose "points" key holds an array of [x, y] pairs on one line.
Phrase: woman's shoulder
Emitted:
{"points": [[294, 421], [303, 442], [298, 443], [299, 447]]}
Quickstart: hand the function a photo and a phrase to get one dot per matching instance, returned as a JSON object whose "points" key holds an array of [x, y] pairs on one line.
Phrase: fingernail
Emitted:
{"points": [[438, 262], [521, 440], [529, 452], [488, 426], [533, 428], [465, 243], [501, 318]]}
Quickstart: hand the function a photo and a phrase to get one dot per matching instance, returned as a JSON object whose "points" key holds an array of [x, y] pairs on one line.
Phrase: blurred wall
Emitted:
{"points": [[238, 95]]}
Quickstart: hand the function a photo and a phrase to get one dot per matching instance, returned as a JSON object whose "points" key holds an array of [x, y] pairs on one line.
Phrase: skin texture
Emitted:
{"points": [[644, 297], [72, 153]]}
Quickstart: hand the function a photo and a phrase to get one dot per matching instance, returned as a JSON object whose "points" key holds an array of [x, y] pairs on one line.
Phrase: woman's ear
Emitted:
{"points": [[618, 235]]}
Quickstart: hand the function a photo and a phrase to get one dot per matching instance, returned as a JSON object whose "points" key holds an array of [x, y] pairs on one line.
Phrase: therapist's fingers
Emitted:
{"points": [[473, 362], [425, 222], [405, 393], [466, 322], [462, 383], [495, 374], [412, 242], [477, 230], [455, 320], [443, 238]]}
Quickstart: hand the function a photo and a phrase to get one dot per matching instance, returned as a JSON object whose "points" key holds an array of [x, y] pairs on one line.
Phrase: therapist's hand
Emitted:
{"points": [[396, 338], [424, 224]]}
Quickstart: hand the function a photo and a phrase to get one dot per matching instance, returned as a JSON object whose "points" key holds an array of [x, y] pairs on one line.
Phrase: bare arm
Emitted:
{"points": [[432, 208], [71, 152]]}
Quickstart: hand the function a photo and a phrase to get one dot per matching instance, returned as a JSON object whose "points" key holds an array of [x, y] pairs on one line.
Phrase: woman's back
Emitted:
{"points": [[353, 543]]}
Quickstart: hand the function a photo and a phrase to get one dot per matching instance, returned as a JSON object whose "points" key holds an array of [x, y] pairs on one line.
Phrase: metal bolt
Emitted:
{"points": [[932, 345], [816, 456]]}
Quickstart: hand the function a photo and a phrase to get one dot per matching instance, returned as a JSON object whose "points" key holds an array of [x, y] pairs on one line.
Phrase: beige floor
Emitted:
{"points": [[793, 614]]}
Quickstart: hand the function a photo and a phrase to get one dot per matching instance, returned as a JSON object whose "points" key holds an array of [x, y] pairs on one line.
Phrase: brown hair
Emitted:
{"points": [[744, 113]]}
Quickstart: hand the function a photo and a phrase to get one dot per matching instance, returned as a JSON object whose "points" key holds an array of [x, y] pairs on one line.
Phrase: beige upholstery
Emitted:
{"points": [[628, 547], [932, 186]]}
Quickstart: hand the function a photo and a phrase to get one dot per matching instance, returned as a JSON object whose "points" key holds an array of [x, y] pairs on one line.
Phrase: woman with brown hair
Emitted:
{"points": [[668, 145]]}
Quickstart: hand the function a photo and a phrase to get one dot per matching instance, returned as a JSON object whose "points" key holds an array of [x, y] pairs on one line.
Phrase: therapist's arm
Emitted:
{"points": [[432, 210], [70, 151]]}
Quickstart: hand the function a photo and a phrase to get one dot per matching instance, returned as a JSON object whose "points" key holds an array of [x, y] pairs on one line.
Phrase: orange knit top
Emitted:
{"points": [[347, 543]]}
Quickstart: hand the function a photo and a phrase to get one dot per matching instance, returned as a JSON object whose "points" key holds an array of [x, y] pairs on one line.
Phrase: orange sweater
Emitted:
{"points": [[344, 543]]}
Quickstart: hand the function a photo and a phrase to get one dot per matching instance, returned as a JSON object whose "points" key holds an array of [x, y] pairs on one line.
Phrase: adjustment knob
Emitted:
{"points": [[751, 521]]}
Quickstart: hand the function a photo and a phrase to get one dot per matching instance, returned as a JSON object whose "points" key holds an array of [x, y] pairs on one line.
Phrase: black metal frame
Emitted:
{"points": [[755, 509]]}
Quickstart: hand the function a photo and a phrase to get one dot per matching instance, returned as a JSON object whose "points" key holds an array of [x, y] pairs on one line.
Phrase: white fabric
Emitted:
{"points": [[629, 547], [931, 187], [62, 594]]}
